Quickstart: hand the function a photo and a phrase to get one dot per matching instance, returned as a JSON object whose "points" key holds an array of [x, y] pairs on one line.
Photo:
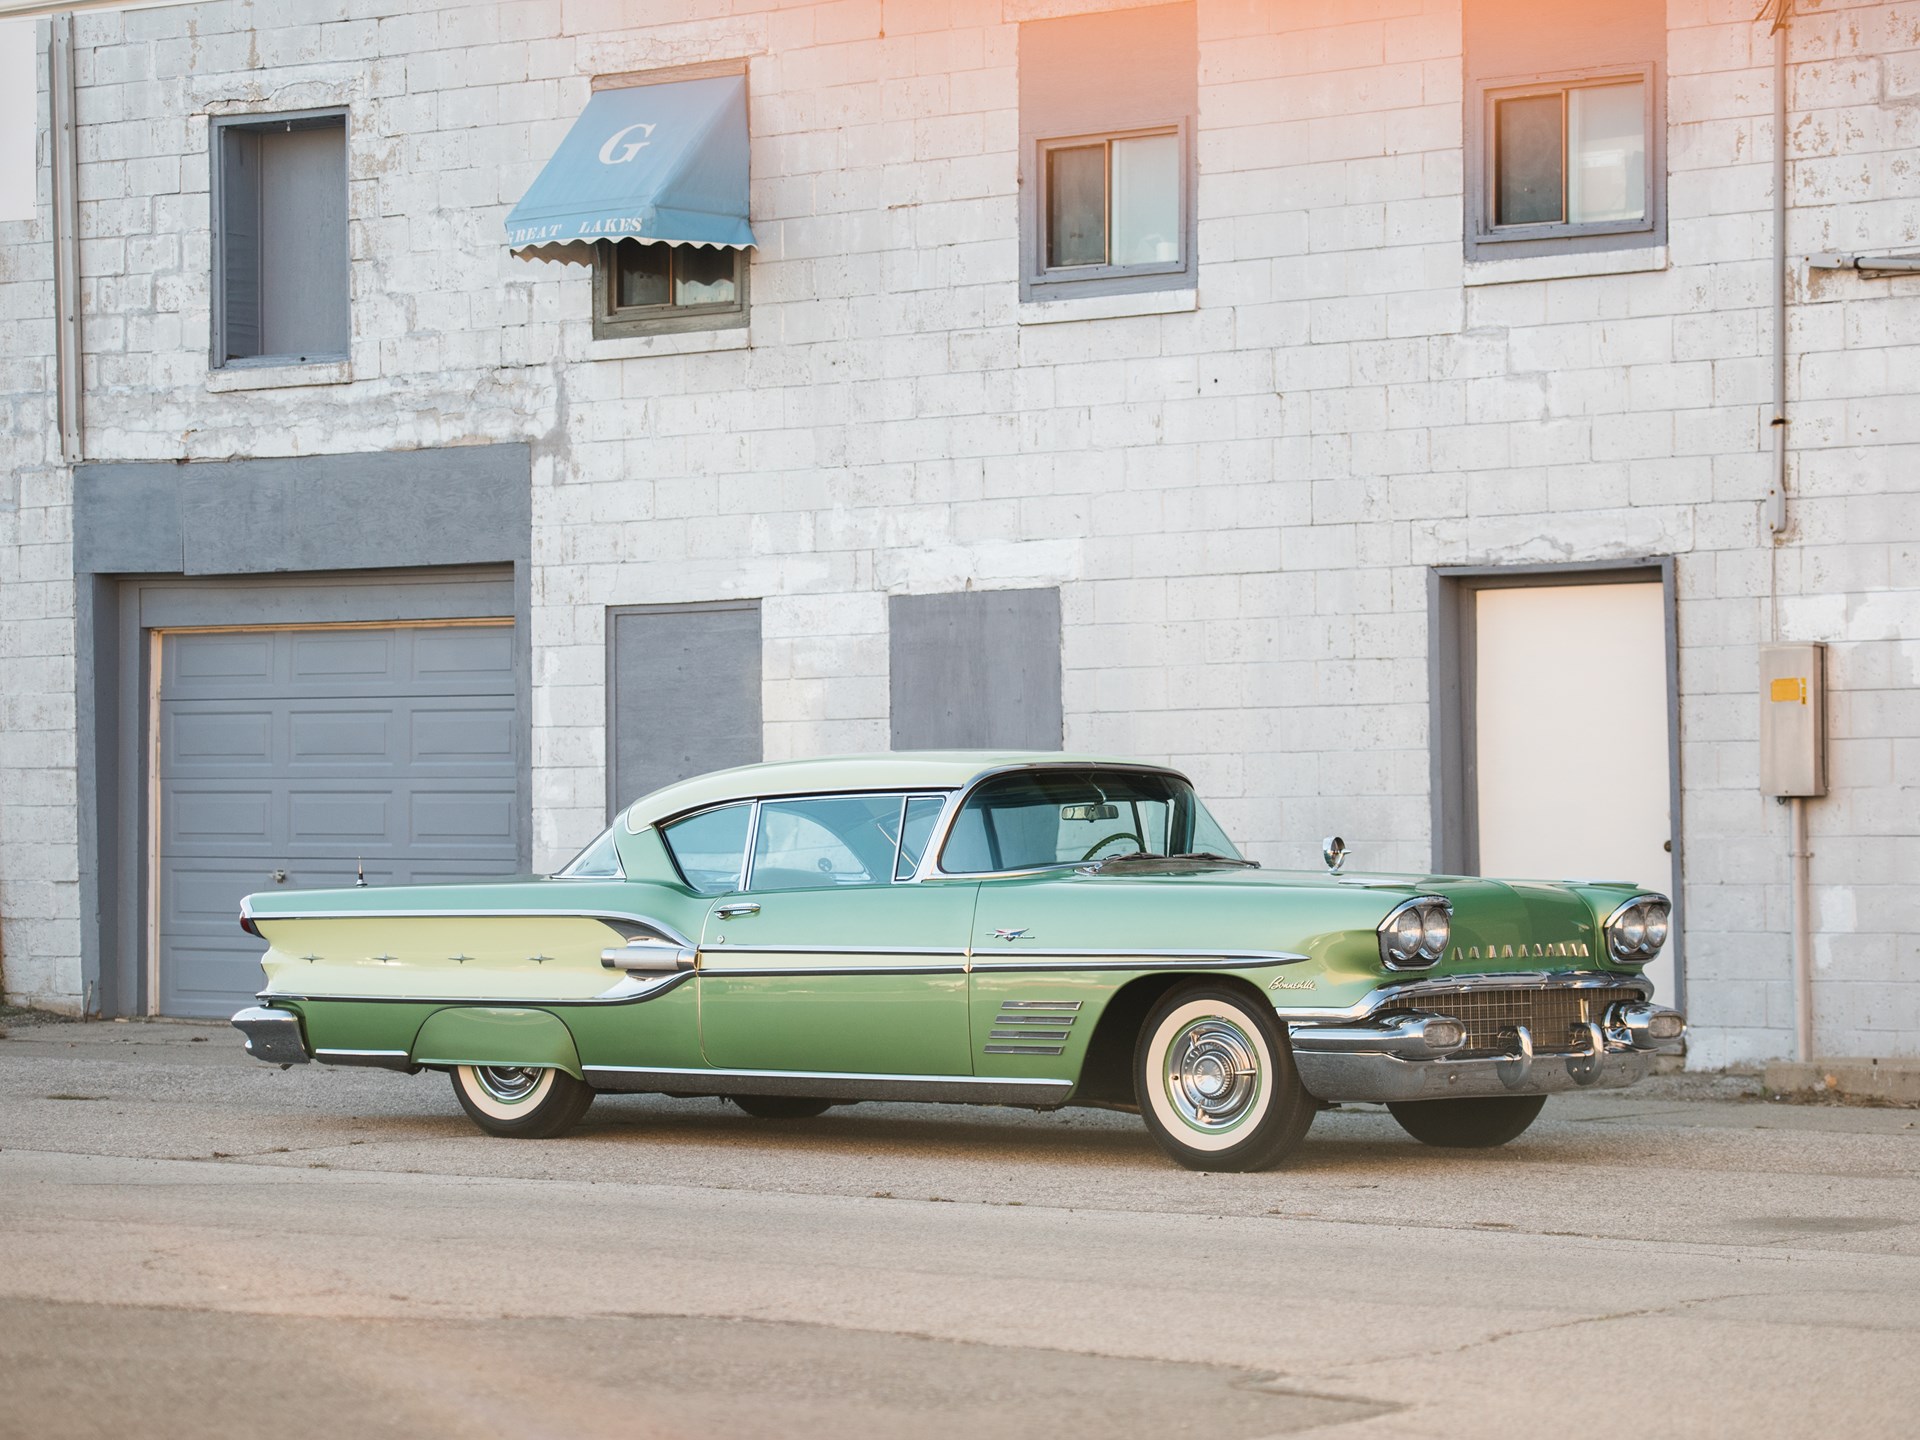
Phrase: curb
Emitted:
{"points": [[1888, 1082]]}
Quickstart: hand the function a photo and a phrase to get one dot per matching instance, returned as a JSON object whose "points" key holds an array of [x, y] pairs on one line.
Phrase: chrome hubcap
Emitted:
{"points": [[508, 1084], [1213, 1074]]}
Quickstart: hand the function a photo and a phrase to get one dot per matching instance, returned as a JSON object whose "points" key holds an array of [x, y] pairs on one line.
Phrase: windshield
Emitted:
{"points": [[1072, 816]]}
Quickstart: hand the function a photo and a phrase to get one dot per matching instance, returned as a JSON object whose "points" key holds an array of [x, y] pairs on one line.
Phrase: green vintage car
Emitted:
{"points": [[1036, 930]]}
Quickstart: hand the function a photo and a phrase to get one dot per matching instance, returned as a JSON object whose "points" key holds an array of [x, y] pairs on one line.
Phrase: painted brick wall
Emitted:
{"points": [[1239, 500]]}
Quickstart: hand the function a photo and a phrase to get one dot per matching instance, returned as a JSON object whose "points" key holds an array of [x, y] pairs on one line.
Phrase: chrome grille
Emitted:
{"points": [[1556, 1017]]}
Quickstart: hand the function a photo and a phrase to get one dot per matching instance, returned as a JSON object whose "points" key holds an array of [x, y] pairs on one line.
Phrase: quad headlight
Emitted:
{"points": [[1415, 933], [1637, 930]]}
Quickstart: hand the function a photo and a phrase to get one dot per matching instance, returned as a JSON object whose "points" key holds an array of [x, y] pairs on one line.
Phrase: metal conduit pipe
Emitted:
{"points": [[1798, 851]]}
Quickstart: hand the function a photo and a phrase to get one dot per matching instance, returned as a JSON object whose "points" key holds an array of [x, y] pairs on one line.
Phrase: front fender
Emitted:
{"points": [[486, 1035]]}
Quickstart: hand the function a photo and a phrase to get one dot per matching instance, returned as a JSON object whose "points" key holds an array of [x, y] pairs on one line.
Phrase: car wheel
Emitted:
{"points": [[781, 1107], [1468, 1124], [1216, 1083], [524, 1101]]}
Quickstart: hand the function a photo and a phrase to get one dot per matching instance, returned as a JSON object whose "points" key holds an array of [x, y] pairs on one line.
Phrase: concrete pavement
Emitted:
{"points": [[183, 1231]]}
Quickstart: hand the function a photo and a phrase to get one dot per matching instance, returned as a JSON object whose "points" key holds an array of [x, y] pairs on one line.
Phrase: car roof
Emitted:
{"points": [[886, 770]]}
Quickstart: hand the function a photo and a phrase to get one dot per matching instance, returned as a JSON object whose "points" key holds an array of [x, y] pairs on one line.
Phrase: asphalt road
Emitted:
{"points": [[192, 1244]]}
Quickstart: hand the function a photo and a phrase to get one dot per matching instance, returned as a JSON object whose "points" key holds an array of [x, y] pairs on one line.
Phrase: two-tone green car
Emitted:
{"points": [[1036, 930]]}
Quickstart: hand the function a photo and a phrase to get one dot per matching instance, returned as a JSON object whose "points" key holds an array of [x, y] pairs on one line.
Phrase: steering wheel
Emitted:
{"points": [[1117, 835]]}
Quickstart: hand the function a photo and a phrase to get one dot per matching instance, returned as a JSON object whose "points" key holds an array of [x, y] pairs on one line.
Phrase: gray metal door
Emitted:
{"points": [[301, 752]]}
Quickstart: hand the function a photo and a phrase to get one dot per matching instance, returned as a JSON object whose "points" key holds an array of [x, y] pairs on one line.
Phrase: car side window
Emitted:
{"points": [[711, 848], [599, 861], [916, 829], [832, 840]]}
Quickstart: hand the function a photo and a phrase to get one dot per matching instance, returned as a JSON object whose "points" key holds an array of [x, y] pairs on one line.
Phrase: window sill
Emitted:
{"points": [[687, 342], [1575, 264], [1107, 307], [279, 377]]}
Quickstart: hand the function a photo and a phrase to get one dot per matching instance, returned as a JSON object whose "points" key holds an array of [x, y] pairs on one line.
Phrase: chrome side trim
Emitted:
{"points": [[656, 926], [1143, 960], [750, 948], [830, 1085], [618, 995], [729, 972], [1434, 989]]}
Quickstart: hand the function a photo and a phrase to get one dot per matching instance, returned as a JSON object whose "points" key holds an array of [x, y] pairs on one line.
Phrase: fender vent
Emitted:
{"points": [[1032, 1027]]}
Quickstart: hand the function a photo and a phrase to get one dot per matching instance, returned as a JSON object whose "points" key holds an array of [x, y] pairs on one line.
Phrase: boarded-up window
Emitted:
{"points": [[979, 669], [683, 693], [281, 240]]}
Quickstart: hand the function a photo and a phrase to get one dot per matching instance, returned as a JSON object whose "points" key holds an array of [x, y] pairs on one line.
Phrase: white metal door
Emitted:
{"points": [[1571, 737]]}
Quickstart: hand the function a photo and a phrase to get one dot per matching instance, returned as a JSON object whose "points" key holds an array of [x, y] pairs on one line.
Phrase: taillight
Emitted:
{"points": [[246, 924]]}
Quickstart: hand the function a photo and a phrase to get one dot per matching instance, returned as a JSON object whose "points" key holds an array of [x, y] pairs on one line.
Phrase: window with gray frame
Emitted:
{"points": [[683, 693], [652, 288], [1565, 128], [1107, 103], [977, 669], [280, 251]]}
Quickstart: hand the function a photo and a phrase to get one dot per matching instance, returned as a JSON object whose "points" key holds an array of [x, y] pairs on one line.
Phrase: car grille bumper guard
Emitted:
{"points": [[1429, 1054]]}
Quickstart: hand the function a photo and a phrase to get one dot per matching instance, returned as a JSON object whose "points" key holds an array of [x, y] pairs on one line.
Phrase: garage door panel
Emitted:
{"points": [[334, 817], [200, 894], [197, 735], [219, 817], [442, 735], [221, 661], [313, 752], [449, 655], [462, 820], [326, 736], [320, 658]]}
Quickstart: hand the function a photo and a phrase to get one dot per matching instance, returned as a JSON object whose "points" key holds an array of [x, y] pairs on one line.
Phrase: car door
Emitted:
{"points": [[830, 959]]}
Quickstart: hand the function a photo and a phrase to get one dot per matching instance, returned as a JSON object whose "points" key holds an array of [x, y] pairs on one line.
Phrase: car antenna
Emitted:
{"points": [[359, 874]]}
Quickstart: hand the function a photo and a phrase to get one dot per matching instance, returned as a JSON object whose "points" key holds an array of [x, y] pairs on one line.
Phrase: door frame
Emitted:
{"points": [[1452, 654], [135, 610], [156, 637]]}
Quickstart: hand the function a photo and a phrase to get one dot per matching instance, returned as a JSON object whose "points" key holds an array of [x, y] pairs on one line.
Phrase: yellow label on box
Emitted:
{"points": [[1790, 688]]}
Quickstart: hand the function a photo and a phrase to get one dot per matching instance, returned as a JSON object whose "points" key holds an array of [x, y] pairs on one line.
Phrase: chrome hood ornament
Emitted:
{"points": [[1333, 850]]}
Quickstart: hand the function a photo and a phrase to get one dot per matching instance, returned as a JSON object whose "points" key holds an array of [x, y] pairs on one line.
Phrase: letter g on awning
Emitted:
{"points": [[664, 162]]}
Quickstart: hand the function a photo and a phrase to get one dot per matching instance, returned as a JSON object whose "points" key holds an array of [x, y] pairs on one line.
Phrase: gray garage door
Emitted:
{"points": [[303, 751]]}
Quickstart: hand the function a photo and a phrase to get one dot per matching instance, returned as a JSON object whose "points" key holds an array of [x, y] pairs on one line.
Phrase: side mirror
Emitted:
{"points": [[1334, 851]]}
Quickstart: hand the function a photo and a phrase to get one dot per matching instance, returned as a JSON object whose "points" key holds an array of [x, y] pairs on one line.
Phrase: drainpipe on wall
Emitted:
{"points": [[66, 235], [1799, 853]]}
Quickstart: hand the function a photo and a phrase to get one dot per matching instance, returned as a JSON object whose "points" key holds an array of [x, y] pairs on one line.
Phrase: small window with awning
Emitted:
{"points": [[650, 188]]}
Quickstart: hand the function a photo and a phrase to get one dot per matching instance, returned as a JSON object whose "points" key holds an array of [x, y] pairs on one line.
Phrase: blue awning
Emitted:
{"points": [[661, 162]]}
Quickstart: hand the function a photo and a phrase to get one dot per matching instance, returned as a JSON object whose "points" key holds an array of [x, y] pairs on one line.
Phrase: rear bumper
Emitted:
{"points": [[272, 1035], [1395, 1060]]}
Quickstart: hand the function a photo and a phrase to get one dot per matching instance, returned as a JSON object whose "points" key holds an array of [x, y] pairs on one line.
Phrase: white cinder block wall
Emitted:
{"points": [[1239, 501]]}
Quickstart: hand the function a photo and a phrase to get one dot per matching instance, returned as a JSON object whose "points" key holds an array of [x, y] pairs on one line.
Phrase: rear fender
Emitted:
{"points": [[487, 1035]]}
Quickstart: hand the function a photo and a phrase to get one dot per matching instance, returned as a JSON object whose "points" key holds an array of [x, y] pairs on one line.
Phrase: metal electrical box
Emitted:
{"points": [[1793, 719]]}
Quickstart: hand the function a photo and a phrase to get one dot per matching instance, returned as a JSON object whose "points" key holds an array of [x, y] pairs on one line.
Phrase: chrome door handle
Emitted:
{"points": [[729, 912]]}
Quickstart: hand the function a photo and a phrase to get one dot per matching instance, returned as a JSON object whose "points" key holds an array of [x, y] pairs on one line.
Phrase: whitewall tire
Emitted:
{"points": [[525, 1101], [1215, 1080]]}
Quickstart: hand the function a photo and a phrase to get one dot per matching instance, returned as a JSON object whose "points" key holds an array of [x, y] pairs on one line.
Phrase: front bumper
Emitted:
{"points": [[1397, 1058], [272, 1035]]}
